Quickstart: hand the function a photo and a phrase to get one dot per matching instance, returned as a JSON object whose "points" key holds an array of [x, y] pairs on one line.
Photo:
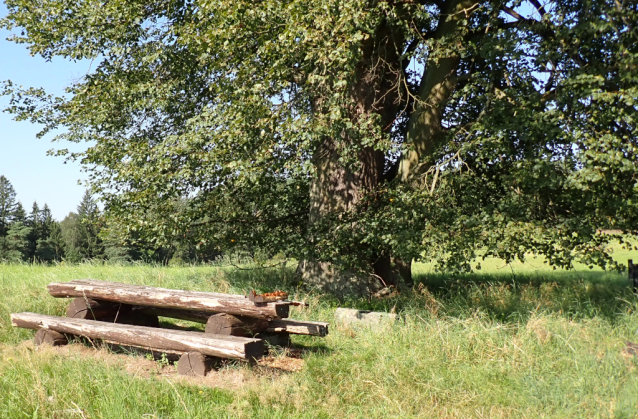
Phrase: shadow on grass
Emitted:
{"points": [[504, 296], [514, 297], [510, 297]]}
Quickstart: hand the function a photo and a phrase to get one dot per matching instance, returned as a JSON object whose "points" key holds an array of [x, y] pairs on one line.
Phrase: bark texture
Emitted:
{"points": [[337, 189], [165, 298], [229, 325], [49, 337], [146, 337], [437, 85]]}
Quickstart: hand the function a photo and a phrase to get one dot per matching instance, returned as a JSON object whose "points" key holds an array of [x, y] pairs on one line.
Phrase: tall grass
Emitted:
{"points": [[503, 343]]}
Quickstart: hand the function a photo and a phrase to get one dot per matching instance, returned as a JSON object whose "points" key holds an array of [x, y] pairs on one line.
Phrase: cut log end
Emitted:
{"points": [[229, 325], [90, 309], [49, 337], [195, 364]]}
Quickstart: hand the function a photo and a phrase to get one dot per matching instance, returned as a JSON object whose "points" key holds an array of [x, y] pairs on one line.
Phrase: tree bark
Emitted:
{"points": [[87, 308], [437, 85], [337, 189], [146, 337], [49, 337], [165, 298], [298, 327]]}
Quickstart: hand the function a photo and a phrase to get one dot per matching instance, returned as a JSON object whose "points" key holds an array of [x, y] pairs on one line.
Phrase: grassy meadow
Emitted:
{"points": [[508, 341]]}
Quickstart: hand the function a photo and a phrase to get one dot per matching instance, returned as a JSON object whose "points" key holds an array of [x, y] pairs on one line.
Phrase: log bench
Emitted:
{"points": [[216, 323], [128, 315]]}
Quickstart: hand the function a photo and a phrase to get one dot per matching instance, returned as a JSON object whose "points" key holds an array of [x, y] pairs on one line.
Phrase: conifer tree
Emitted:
{"points": [[51, 248], [69, 233], [89, 226], [8, 204], [13, 246], [34, 223], [20, 215]]}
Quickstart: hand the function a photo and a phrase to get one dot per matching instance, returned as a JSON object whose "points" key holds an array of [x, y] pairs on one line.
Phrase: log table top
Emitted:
{"points": [[167, 298]]}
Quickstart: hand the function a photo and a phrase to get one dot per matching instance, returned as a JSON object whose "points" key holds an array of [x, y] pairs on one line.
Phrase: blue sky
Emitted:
{"points": [[23, 157]]}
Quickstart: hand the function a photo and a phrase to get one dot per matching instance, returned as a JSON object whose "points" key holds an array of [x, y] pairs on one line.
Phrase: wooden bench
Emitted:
{"points": [[125, 314]]}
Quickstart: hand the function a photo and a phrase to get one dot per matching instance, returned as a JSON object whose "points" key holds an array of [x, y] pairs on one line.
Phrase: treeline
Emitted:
{"points": [[82, 235]]}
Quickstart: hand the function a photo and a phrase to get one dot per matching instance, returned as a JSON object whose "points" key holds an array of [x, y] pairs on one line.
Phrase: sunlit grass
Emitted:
{"points": [[516, 341]]}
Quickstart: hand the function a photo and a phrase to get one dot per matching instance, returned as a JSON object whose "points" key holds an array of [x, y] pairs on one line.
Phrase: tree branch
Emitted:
{"points": [[539, 7], [514, 14], [252, 220]]}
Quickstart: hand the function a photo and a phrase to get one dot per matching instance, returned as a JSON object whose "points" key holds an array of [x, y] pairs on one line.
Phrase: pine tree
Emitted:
{"points": [[8, 204], [13, 246], [34, 222], [50, 245], [89, 227], [20, 215], [51, 248], [46, 219]]}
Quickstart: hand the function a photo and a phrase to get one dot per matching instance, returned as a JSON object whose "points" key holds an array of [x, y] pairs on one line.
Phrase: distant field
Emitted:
{"points": [[534, 265], [519, 341]]}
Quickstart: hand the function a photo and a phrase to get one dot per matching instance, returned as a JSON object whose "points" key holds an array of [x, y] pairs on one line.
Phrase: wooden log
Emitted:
{"points": [[294, 327], [189, 315], [49, 337], [298, 327], [87, 308], [229, 325], [166, 298], [106, 311], [146, 337], [195, 364]]}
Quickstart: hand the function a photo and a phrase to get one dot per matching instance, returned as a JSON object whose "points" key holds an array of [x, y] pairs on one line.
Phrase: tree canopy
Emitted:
{"points": [[353, 135]]}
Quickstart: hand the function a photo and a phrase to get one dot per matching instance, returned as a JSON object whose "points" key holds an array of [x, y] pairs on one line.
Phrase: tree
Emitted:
{"points": [[51, 248], [356, 135], [35, 224], [50, 244], [89, 227], [81, 232], [70, 237], [8, 204], [13, 246], [20, 215]]}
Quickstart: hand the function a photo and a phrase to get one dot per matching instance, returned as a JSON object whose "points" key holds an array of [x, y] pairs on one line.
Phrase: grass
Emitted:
{"points": [[520, 341]]}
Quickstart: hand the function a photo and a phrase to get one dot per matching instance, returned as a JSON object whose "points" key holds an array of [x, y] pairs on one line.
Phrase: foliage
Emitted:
{"points": [[13, 246], [436, 130], [51, 247], [8, 204]]}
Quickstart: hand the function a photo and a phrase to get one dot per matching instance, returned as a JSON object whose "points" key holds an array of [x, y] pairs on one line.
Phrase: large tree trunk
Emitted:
{"points": [[336, 189]]}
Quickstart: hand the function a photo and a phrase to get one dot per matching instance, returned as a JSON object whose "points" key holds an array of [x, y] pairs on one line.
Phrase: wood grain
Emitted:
{"points": [[146, 337], [167, 298]]}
